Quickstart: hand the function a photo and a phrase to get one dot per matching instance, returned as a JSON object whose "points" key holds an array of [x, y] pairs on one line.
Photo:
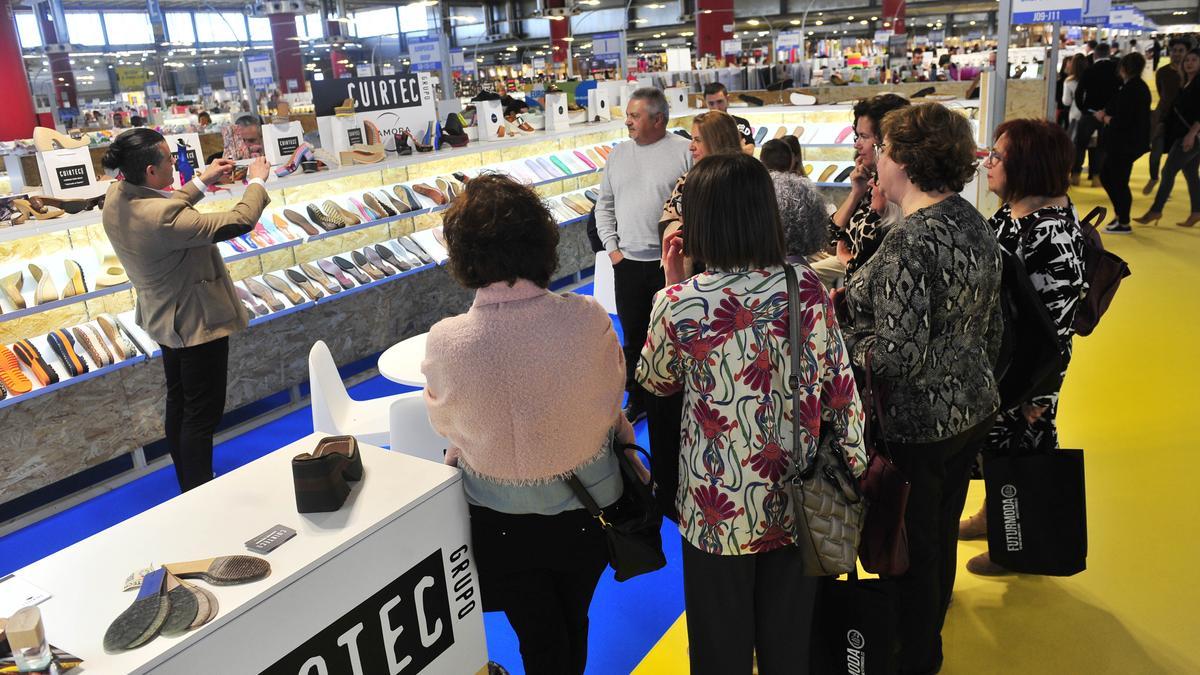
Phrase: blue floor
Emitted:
{"points": [[627, 619]]}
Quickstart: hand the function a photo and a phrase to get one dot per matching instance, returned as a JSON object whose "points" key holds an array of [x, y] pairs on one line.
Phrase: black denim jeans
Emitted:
{"points": [[196, 379]]}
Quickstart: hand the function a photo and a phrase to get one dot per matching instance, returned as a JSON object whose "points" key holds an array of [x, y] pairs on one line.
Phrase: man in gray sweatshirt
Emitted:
{"points": [[638, 179]]}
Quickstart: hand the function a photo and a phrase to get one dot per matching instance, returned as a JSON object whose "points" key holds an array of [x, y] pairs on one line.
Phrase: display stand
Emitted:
{"points": [[385, 584], [556, 112], [281, 140], [68, 174], [489, 116], [677, 98]]}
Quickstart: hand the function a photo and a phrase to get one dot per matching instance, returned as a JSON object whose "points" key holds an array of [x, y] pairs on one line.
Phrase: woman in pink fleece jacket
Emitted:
{"points": [[527, 387]]}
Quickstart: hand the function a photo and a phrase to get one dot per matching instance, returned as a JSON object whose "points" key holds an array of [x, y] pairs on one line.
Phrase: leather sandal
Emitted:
{"points": [[26, 208], [45, 139]]}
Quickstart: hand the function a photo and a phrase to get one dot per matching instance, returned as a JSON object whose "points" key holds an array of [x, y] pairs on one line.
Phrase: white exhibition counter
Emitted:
{"points": [[386, 584]]}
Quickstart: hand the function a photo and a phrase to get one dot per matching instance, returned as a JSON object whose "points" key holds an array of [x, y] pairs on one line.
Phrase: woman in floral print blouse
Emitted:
{"points": [[926, 319], [1028, 168], [721, 337]]}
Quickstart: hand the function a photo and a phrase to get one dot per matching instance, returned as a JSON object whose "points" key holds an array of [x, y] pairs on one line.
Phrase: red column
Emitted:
{"points": [[893, 11], [559, 31], [19, 117], [287, 53], [710, 25], [60, 63]]}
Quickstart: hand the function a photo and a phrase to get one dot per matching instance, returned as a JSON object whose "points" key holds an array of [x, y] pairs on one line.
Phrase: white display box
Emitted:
{"points": [[68, 174], [388, 577], [281, 140], [489, 116], [599, 105], [677, 98], [556, 112]]}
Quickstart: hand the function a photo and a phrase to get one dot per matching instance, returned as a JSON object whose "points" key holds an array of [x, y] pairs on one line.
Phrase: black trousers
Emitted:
{"points": [[1115, 179], [740, 605], [195, 402], [939, 474], [1156, 153], [1084, 128], [635, 283], [541, 571]]}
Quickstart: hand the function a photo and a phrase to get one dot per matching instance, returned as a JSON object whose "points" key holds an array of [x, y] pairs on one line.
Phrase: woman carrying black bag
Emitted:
{"points": [[721, 337], [1028, 169]]}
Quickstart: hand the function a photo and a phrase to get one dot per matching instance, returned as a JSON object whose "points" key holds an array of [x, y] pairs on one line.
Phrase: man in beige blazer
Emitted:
{"points": [[185, 299]]}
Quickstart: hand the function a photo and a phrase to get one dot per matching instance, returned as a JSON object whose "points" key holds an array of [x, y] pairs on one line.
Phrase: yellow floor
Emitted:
{"points": [[1130, 401]]}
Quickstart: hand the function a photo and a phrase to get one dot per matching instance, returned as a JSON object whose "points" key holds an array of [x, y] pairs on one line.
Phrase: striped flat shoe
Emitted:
{"points": [[64, 347]]}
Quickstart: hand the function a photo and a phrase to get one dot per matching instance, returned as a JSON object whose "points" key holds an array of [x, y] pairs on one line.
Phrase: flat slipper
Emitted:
{"points": [[142, 620], [224, 570]]}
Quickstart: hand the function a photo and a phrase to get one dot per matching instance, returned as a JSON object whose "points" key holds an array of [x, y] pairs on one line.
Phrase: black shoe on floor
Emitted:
{"points": [[1118, 228]]}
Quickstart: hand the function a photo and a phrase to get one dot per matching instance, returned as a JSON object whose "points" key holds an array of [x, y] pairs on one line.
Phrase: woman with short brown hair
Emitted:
{"points": [[925, 317]]}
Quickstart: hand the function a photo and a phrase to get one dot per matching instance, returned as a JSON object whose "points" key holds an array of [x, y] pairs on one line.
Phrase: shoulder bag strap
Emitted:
{"points": [[793, 298], [586, 498], [876, 406]]}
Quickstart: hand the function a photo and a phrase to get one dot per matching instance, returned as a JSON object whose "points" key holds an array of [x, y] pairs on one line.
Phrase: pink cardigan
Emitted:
{"points": [[526, 385]]}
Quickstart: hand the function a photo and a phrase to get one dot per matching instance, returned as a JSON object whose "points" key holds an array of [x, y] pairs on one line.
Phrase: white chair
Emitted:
{"points": [[334, 412], [411, 432]]}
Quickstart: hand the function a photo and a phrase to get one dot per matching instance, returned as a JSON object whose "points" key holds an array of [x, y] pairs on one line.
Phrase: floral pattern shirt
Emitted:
{"points": [[722, 338]]}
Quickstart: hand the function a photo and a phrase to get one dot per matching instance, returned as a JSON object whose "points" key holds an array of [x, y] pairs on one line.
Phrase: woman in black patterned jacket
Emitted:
{"points": [[1028, 168], [925, 319]]}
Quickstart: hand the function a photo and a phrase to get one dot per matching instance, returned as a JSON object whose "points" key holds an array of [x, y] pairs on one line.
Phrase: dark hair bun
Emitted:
{"points": [[112, 158]]}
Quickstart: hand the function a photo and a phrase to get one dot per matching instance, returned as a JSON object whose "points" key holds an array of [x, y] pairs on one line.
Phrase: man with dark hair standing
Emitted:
{"points": [[638, 179], [1096, 87], [1167, 82], [716, 97]]}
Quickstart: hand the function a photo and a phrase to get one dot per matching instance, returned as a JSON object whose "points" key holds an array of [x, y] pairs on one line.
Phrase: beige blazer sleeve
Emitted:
{"points": [[185, 227]]}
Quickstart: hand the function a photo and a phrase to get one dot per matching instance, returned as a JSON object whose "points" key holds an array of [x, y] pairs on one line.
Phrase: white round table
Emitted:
{"points": [[402, 361]]}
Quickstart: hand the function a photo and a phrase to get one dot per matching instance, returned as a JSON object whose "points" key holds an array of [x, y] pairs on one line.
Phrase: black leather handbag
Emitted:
{"points": [[632, 525]]}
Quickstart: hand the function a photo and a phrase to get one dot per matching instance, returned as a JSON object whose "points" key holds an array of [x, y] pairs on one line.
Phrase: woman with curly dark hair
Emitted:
{"points": [[517, 426], [925, 317]]}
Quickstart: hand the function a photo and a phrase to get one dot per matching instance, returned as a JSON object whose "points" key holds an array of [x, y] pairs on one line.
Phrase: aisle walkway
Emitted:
{"points": [[1128, 401]]}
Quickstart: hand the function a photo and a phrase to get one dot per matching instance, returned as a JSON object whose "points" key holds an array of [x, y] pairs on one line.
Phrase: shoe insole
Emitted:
{"points": [[263, 293], [300, 222], [827, 173], [142, 620], [415, 249], [206, 602], [845, 173], [758, 137], [184, 608], [222, 571], [316, 274], [281, 286]]}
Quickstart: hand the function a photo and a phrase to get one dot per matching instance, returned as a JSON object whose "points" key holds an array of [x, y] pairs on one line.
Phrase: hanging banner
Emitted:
{"points": [[131, 78], [1095, 12], [882, 37], [937, 37], [261, 74], [789, 39], [1046, 11], [424, 54], [731, 47], [231, 81]]}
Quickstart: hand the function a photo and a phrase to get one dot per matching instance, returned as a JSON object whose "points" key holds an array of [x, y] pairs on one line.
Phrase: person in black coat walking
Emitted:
{"points": [[1097, 86], [1125, 138]]}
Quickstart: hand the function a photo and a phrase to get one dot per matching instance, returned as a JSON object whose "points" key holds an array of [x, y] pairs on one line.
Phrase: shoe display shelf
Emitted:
{"points": [[111, 411]]}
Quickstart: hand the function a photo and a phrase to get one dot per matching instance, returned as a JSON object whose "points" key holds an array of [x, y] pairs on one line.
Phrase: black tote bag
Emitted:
{"points": [[855, 627], [1037, 511]]}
